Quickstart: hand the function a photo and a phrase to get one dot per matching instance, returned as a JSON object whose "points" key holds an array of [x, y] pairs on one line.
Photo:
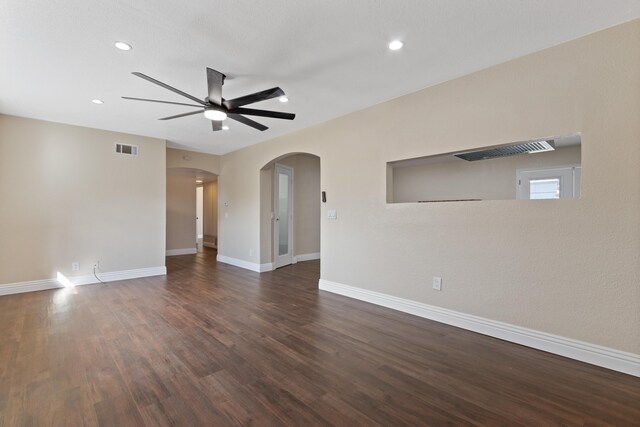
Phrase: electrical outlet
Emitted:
{"points": [[96, 265], [75, 266], [250, 252], [437, 283]]}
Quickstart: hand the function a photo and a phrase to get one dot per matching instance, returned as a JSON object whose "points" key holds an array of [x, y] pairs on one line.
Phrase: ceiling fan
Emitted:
{"points": [[216, 108]]}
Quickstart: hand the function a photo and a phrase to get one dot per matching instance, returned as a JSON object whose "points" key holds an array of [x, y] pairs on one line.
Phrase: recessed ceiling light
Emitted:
{"points": [[225, 127], [396, 45], [97, 101], [198, 181], [123, 45], [283, 99], [216, 115]]}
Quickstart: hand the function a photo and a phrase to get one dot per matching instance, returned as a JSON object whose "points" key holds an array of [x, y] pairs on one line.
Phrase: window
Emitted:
{"points": [[544, 188], [557, 183]]}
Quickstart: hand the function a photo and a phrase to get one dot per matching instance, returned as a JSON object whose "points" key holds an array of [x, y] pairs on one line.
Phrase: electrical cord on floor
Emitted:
{"points": [[96, 276]]}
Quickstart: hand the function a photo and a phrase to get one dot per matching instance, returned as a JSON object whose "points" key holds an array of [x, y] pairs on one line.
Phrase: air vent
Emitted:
{"points": [[127, 149], [509, 150]]}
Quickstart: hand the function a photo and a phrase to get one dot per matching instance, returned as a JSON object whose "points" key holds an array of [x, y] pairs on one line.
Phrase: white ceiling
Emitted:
{"points": [[329, 56]]}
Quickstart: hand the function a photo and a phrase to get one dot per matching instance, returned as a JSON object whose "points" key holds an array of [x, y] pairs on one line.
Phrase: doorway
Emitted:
{"points": [[192, 214], [290, 210], [283, 224]]}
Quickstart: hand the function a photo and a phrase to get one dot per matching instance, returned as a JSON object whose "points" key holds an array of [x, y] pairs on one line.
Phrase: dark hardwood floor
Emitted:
{"points": [[215, 345]]}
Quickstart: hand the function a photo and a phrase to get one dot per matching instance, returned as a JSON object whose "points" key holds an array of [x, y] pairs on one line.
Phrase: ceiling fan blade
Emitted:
{"points": [[215, 80], [254, 97], [182, 115], [216, 125], [166, 86], [263, 113], [155, 100], [247, 121]]}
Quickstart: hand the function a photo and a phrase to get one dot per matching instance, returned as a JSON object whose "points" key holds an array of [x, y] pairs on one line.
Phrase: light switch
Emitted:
{"points": [[437, 283], [332, 214]]}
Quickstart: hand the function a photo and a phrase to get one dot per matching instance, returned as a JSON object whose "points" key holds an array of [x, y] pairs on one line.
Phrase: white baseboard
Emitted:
{"points": [[269, 266], [241, 263], [262, 268], [209, 245], [616, 360], [111, 276], [185, 251], [305, 257]]}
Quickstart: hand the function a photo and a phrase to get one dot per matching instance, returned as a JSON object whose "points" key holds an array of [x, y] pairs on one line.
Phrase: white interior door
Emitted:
{"points": [[283, 215], [199, 214]]}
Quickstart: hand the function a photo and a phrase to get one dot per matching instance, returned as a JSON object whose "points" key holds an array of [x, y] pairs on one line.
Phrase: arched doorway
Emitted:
{"points": [[290, 198]]}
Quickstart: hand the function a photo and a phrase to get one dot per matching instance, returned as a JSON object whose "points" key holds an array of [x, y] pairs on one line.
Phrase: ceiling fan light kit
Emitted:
{"points": [[214, 114], [216, 108]]}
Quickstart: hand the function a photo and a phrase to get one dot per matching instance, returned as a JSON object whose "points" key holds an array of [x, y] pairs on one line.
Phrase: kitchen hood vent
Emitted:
{"points": [[508, 150]]}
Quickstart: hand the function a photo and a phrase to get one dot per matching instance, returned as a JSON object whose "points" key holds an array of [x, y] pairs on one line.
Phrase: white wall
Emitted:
{"points": [[66, 196], [569, 268]]}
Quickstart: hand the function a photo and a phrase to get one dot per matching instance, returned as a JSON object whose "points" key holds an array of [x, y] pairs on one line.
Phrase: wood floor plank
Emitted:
{"points": [[212, 344]]}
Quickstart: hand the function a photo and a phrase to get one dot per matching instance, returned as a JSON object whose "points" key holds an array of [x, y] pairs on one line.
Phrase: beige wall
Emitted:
{"points": [[493, 179], [66, 196], [181, 212], [570, 268], [190, 159], [306, 206], [210, 210]]}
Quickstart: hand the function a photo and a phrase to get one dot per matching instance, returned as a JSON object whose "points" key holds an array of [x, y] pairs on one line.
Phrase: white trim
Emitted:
{"points": [[269, 266], [185, 251], [238, 263], [282, 260], [610, 358], [210, 245], [247, 265], [42, 285], [306, 257]]}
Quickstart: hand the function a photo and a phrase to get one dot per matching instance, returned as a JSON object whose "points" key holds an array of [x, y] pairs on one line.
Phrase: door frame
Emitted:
{"points": [[282, 260]]}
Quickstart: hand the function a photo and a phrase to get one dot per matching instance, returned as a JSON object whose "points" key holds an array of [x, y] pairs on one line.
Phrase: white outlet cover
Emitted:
{"points": [[437, 283], [332, 214], [75, 266]]}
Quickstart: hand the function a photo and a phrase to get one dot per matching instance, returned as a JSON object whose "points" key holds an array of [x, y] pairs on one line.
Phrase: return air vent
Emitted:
{"points": [[127, 149], [509, 150]]}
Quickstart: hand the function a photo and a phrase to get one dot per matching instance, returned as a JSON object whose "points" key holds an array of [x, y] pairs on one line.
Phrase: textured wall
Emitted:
{"points": [[66, 196], [210, 211], [571, 267], [192, 160], [181, 212]]}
